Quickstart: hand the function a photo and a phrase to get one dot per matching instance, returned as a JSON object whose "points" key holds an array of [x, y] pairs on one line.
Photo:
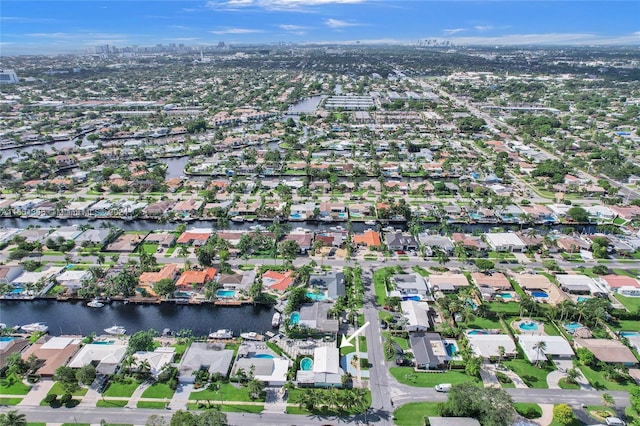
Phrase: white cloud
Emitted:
{"points": [[291, 27], [483, 27], [237, 31], [337, 23], [452, 31], [550, 39], [280, 5]]}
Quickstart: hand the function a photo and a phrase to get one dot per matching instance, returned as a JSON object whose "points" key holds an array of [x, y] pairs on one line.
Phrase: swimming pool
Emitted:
{"points": [[414, 297], [105, 342], [571, 327], [306, 364], [226, 293], [182, 294], [295, 216], [472, 304], [624, 334], [8, 339], [16, 290], [582, 299], [451, 349], [505, 295], [266, 356], [294, 319], [539, 294], [528, 326], [316, 296], [477, 332]]}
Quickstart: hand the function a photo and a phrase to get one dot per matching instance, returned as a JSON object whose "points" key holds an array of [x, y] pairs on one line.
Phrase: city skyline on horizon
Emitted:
{"points": [[71, 26]]}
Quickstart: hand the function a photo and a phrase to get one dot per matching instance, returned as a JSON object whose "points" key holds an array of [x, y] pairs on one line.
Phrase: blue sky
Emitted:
{"points": [[51, 26]]}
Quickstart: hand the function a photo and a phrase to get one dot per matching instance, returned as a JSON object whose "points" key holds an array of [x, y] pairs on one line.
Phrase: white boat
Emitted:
{"points": [[223, 333], [237, 219], [3, 326], [95, 303], [370, 222], [252, 335], [115, 330], [275, 321], [36, 326], [258, 228]]}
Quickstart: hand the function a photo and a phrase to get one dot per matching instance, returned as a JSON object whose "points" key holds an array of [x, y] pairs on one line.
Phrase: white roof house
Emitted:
{"points": [[556, 347], [273, 371], [73, 279], [505, 241], [107, 356], [34, 277], [157, 359], [416, 314], [66, 232], [326, 371], [576, 283], [488, 345]]}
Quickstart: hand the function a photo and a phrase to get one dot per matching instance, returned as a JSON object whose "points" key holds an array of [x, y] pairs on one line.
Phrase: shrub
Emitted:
{"points": [[64, 399], [51, 398]]}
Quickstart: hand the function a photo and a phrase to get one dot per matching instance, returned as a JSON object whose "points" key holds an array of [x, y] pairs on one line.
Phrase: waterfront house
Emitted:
{"points": [[316, 317], [272, 371], [622, 284], [197, 237], [147, 280], [158, 209], [607, 350], [52, 352], [106, 358], [410, 284], [126, 243], [76, 209], [303, 238], [156, 359], [187, 208], [487, 346], [302, 212], [369, 239], [192, 279], [35, 235], [210, 357], [8, 273], [571, 244], [505, 242], [11, 346], [93, 236], [428, 351], [400, 241], [436, 241], [241, 281], [27, 279], [163, 239], [277, 281], [72, 280], [67, 233]]}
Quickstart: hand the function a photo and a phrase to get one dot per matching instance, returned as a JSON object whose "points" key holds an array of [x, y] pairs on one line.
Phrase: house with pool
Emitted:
{"points": [[191, 280], [315, 316], [622, 284], [417, 315], [581, 285], [447, 283], [487, 345], [157, 358], [410, 285], [429, 351], [494, 286], [331, 283], [541, 288], [147, 280], [323, 371], [555, 347], [106, 355], [608, 351], [266, 367], [211, 357]]}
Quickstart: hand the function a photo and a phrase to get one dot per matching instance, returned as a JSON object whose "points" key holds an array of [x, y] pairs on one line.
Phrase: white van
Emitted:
{"points": [[614, 421], [443, 387]]}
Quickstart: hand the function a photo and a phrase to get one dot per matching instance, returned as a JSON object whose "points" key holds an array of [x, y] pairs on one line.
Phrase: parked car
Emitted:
{"points": [[614, 421], [443, 387], [383, 324]]}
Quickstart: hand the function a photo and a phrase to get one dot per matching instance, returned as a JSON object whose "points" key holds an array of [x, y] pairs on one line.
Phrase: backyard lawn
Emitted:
{"points": [[407, 376], [534, 377], [124, 389], [484, 324], [414, 413], [597, 380], [631, 303], [158, 390], [13, 386], [508, 308], [227, 392]]}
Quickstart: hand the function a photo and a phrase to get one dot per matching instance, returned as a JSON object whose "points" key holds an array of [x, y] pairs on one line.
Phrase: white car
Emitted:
{"points": [[614, 421], [443, 387]]}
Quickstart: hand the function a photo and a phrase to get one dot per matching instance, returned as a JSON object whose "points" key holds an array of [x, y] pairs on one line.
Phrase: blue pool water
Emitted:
{"points": [[16, 290], [583, 299], [316, 296], [573, 326], [8, 339], [105, 342], [225, 293], [295, 216], [294, 318], [528, 326], [263, 356], [451, 349], [472, 304], [505, 295], [182, 294], [306, 364], [475, 216], [477, 332], [415, 298], [539, 294], [622, 333]]}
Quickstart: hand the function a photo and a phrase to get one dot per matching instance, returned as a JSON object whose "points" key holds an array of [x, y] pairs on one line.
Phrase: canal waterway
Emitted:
{"points": [[77, 318]]}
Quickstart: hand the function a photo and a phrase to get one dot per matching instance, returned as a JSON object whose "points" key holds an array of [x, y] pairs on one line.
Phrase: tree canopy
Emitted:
{"points": [[491, 406]]}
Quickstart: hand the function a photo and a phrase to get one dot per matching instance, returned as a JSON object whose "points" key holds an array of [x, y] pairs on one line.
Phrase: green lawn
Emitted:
{"points": [[631, 303], [228, 392], [13, 386], [230, 408], [294, 396], [158, 390], [484, 324], [528, 410], [150, 248], [625, 325], [508, 308], [104, 403], [420, 271], [408, 376], [414, 413], [385, 315], [404, 343], [564, 384], [533, 376], [598, 381], [550, 329], [57, 390], [10, 401], [36, 424], [152, 404], [124, 389], [379, 283]]}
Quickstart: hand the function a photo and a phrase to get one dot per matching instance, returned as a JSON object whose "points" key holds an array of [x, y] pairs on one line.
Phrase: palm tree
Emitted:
{"points": [[573, 374], [501, 353], [540, 347], [607, 400], [13, 418]]}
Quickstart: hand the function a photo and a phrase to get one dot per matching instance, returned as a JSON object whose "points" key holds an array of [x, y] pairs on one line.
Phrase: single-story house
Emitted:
{"points": [[272, 371], [212, 357], [369, 238], [436, 241], [8, 273], [54, 352], [416, 314], [580, 284], [315, 316], [157, 359], [93, 236], [303, 238], [148, 279], [72, 280], [333, 282], [237, 281], [163, 239], [66, 233], [277, 281], [195, 236], [556, 347], [107, 357], [505, 242], [497, 280], [126, 243], [488, 345], [534, 282], [448, 282], [195, 279], [428, 351], [622, 284], [606, 350], [410, 284], [400, 241]]}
